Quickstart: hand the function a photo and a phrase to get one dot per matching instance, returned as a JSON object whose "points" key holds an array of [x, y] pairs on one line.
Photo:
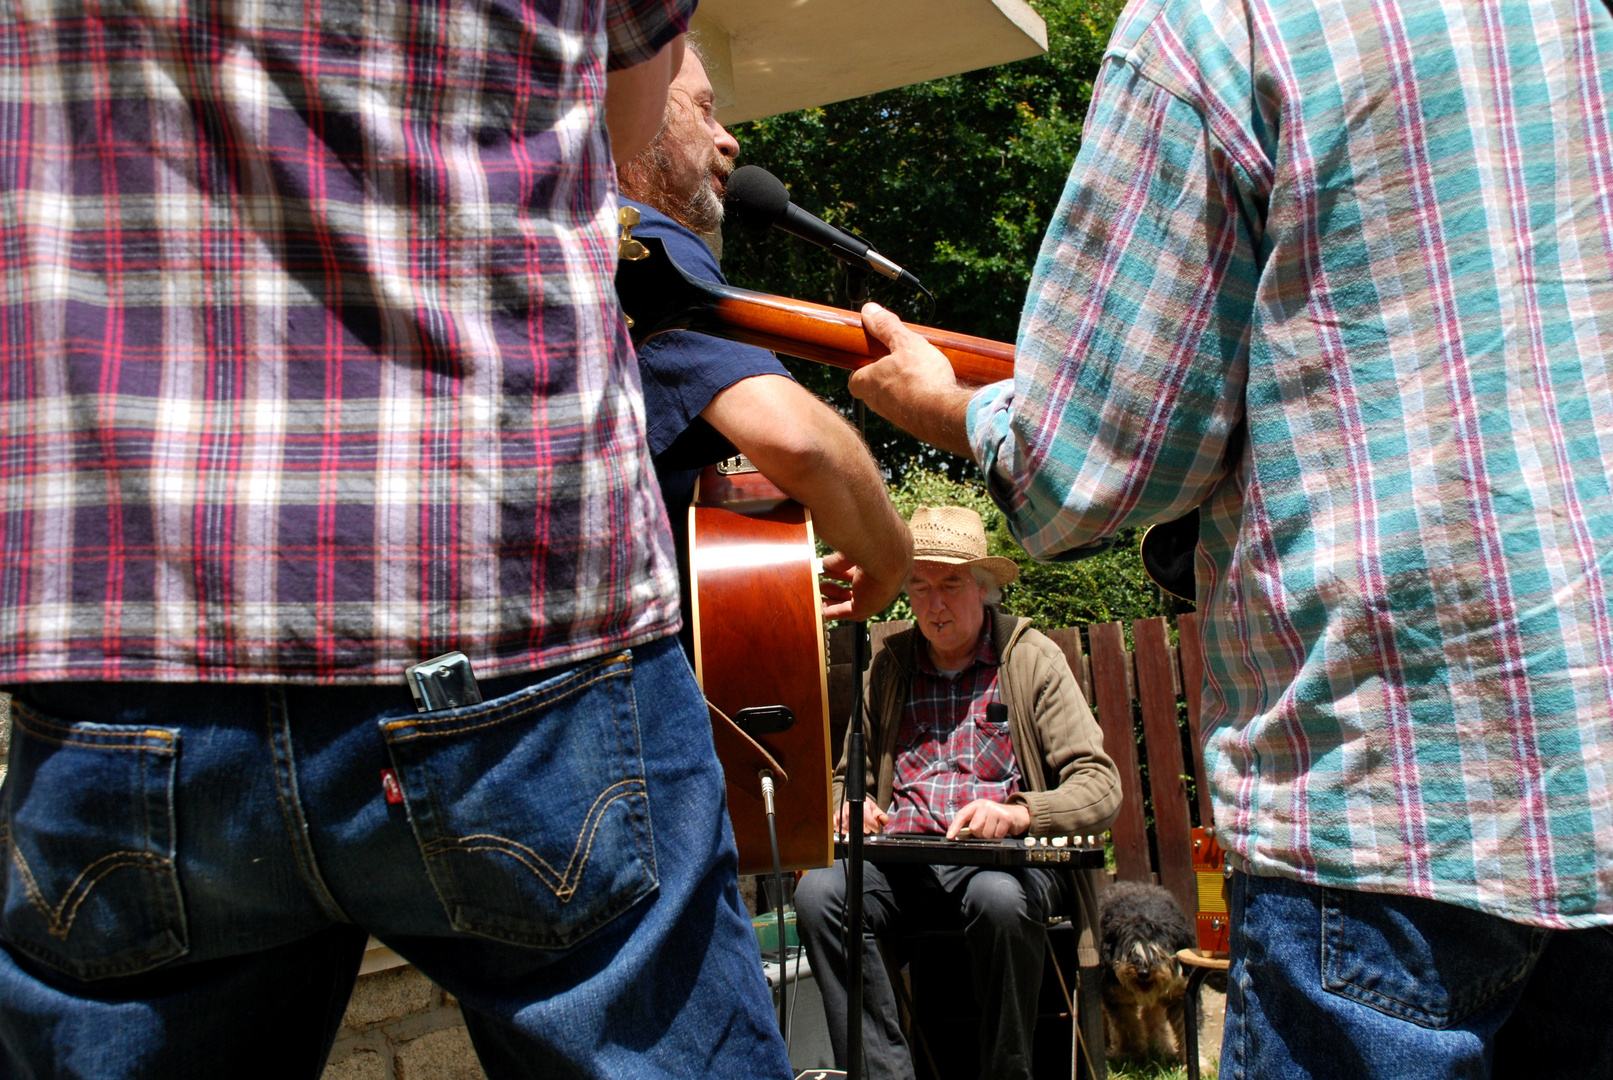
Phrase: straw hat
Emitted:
{"points": [[956, 535]]}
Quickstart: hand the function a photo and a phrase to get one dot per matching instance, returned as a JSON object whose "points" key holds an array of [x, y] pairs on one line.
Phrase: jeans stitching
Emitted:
{"points": [[25, 718], [284, 769], [59, 929], [633, 756], [1459, 1005], [159, 871], [464, 915], [574, 869]]}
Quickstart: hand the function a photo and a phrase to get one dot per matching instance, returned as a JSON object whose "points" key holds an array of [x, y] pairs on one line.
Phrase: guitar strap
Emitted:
{"points": [[742, 757]]}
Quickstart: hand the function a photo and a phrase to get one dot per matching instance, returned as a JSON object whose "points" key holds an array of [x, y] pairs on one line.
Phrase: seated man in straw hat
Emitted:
{"points": [[942, 761]]}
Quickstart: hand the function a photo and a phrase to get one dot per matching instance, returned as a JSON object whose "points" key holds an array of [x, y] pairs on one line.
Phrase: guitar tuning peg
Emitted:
{"points": [[627, 248]]}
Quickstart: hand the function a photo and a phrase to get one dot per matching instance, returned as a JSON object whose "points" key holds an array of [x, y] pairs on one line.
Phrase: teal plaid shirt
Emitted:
{"points": [[1342, 273]]}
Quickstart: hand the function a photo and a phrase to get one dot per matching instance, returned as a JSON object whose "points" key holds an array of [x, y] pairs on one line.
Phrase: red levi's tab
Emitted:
{"points": [[390, 785]]}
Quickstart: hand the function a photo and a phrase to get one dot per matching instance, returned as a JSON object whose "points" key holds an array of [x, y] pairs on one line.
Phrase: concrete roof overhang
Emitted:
{"points": [[773, 56]]}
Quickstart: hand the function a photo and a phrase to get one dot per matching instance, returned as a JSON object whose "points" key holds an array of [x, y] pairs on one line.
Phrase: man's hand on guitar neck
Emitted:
{"points": [[914, 387]]}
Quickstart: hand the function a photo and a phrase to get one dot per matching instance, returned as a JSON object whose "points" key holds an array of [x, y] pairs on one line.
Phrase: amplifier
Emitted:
{"points": [[1214, 914]]}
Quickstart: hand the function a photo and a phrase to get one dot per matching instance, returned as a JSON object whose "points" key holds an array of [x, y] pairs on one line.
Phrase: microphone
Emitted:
{"points": [[758, 199]]}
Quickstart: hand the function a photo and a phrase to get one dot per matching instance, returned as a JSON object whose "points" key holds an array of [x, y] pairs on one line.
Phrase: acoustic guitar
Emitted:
{"points": [[759, 658], [758, 620]]}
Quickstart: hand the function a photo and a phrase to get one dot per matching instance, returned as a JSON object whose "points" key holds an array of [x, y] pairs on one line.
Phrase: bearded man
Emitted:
{"points": [[705, 398]]}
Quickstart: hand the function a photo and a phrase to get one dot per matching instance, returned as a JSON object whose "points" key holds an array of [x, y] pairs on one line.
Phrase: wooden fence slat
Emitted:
{"points": [[1192, 653], [1163, 740], [1113, 702], [879, 631], [1068, 639]]}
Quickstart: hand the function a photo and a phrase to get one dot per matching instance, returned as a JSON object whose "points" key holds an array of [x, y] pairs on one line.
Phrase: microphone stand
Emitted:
{"points": [[856, 782], [856, 790]]}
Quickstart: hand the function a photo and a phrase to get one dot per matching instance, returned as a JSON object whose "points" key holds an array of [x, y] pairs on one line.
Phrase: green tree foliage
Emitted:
{"points": [[955, 179], [1107, 587]]}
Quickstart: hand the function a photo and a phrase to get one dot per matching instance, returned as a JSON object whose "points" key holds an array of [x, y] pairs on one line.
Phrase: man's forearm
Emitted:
{"points": [[635, 100], [851, 509], [817, 459], [938, 415]]}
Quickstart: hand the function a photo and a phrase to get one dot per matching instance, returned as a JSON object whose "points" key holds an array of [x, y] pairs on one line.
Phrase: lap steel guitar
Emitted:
{"points": [[1076, 852]]}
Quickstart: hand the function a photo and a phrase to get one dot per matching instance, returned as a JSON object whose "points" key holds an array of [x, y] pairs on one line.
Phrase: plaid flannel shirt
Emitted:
{"points": [[1342, 272], [311, 364], [947, 753]]}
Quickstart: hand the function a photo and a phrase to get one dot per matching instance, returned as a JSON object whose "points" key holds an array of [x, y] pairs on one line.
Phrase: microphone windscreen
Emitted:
{"points": [[755, 197]]}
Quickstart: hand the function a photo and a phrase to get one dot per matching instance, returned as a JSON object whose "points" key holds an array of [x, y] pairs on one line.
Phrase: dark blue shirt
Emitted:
{"points": [[683, 371]]}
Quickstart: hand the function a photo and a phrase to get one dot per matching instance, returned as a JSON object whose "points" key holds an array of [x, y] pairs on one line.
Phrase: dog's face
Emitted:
{"points": [[1147, 968]]}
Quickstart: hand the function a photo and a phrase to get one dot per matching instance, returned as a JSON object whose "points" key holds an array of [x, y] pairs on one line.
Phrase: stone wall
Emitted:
{"points": [[399, 1026]]}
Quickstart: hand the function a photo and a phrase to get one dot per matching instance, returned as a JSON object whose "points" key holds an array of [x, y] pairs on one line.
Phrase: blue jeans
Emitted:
{"points": [[190, 866], [1332, 983]]}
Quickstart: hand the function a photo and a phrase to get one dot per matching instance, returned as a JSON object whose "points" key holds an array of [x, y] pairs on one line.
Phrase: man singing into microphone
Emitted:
{"points": [[705, 398]]}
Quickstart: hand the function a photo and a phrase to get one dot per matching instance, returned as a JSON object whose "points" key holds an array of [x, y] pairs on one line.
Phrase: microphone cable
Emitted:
{"points": [[778, 900]]}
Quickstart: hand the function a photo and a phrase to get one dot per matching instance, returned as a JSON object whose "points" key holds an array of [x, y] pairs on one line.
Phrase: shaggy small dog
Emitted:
{"points": [[1143, 985]]}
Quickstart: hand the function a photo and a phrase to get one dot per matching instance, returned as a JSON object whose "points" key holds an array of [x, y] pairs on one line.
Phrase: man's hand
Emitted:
{"points": [[864, 593], [987, 820], [874, 818], [914, 387]]}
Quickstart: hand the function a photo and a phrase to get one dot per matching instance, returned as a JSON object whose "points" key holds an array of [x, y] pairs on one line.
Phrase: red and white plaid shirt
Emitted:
{"points": [[948, 754], [311, 364]]}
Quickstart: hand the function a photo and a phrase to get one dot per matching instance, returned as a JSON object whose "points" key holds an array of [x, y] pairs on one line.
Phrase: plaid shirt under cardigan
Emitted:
{"points": [[311, 364], [947, 753], [1342, 272]]}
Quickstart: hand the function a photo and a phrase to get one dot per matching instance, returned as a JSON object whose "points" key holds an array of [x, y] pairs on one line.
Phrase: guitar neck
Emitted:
{"points": [[659, 296], [835, 336]]}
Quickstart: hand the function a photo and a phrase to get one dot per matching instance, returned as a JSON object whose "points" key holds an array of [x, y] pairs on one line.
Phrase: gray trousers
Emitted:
{"points": [[1002, 914]]}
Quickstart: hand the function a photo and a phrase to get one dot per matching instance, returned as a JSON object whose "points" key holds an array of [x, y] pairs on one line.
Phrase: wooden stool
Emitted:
{"points": [[1199, 965]]}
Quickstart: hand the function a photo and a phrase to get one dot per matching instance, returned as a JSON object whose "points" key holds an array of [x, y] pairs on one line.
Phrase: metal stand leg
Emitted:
{"points": [[1089, 1013], [1190, 1022]]}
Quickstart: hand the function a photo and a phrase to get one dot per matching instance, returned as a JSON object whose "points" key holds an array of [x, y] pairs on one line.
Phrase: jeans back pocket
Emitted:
{"points": [[88, 836], [1423, 961], [531, 810]]}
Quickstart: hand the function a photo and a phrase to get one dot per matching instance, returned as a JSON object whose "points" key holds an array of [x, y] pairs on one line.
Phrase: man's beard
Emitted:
{"points": [[647, 178], [702, 211]]}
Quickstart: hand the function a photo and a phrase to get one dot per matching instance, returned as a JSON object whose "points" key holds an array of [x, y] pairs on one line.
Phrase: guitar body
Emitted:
{"points": [[759, 644]]}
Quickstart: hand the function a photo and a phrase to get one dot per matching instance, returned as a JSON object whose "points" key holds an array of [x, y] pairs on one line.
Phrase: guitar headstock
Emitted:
{"points": [[655, 293]]}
